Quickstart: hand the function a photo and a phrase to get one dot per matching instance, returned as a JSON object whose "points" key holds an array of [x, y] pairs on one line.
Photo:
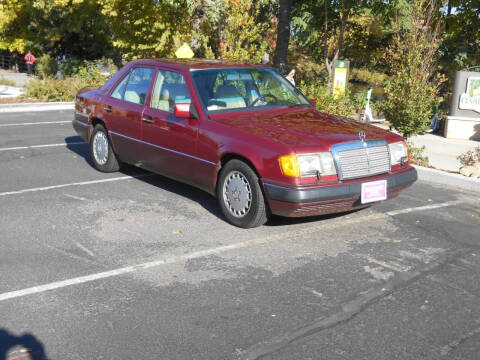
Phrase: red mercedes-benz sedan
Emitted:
{"points": [[242, 133]]}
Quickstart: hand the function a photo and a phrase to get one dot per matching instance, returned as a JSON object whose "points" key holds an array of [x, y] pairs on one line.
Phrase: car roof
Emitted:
{"points": [[199, 63]]}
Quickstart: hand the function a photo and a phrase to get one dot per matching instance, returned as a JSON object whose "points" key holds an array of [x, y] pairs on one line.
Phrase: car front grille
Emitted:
{"points": [[360, 159]]}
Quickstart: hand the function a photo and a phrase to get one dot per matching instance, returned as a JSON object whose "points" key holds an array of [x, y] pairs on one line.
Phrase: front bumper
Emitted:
{"points": [[327, 199]]}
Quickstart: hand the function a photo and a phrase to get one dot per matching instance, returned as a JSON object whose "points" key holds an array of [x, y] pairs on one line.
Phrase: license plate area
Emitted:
{"points": [[374, 191]]}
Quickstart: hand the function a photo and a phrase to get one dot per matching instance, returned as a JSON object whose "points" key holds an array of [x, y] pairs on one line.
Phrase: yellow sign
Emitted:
{"points": [[340, 78], [184, 52]]}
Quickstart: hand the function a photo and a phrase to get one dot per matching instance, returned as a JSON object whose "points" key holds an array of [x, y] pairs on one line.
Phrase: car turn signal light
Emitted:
{"points": [[289, 164]]}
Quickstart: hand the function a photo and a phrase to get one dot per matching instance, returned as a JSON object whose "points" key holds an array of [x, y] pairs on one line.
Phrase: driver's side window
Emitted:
{"points": [[169, 89]]}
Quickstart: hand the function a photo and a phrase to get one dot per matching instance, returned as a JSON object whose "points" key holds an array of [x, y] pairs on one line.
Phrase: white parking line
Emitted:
{"points": [[177, 258], [42, 146], [422, 208], [82, 183], [125, 270], [37, 123]]}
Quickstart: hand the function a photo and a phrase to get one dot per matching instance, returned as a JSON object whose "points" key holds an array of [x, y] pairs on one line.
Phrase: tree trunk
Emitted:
{"points": [[283, 35], [338, 44]]}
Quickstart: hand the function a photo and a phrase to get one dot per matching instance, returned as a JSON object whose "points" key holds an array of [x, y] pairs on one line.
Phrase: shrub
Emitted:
{"points": [[51, 89], [470, 157], [342, 105], [7, 82], [411, 94], [417, 155], [46, 66], [366, 76]]}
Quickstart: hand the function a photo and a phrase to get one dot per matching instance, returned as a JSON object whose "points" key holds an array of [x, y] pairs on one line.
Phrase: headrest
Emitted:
{"points": [[227, 91]]}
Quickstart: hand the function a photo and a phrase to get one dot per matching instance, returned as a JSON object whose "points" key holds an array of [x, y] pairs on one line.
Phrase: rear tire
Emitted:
{"points": [[101, 152], [240, 196]]}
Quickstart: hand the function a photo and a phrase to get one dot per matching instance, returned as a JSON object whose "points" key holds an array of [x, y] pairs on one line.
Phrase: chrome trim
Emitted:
{"points": [[161, 147], [355, 145]]}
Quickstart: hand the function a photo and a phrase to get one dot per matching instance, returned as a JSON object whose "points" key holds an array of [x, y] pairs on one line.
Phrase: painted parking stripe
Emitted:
{"points": [[82, 183], [37, 123], [177, 258], [422, 208], [42, 146], [120, 271]]}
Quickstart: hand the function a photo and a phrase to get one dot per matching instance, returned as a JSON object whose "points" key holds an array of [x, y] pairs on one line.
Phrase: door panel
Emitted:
{"points": [[123, 111], [169, 142], [125, 129]]}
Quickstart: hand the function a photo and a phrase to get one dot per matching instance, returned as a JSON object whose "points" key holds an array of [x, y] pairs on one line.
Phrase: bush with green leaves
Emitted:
{"points": [[6, 82], [412, 92], [342, 105], [46, 66], [417, 154], [52, 89], [364, 75]]}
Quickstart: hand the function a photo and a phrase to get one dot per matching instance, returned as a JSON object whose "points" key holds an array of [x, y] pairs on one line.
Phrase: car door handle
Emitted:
{"points": [[147, 120], [108, 109]]}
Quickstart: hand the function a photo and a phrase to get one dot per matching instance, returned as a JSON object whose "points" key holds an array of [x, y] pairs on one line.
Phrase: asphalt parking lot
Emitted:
{"points": [[132, 265]]}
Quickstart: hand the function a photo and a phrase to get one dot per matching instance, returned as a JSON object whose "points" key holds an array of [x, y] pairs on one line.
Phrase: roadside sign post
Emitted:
{"points": [[340, 77]]}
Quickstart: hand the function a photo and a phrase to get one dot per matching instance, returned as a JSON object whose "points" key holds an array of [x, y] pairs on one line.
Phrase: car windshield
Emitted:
{"points": [[222, 90]]}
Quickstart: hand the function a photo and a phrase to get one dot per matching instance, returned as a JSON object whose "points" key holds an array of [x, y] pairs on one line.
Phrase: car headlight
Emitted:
{"points": [[308, 164], [398, 153]]}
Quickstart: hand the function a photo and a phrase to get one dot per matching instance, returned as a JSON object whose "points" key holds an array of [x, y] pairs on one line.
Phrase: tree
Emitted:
{"points": [[412, 92], [321, 28], [283, 34], [143, 29], [75, 28]]}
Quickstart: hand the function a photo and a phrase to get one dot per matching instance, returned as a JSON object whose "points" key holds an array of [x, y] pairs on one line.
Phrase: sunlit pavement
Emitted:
{"points": [[132, 265]]}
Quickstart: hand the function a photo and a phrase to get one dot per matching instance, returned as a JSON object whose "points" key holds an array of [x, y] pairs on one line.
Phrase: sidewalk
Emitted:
{"points": [[442, 152], [20, 79]]}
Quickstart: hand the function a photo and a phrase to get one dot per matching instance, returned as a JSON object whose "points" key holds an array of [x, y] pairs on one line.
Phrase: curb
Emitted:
{"points": [[444, 178], [26, 107]]}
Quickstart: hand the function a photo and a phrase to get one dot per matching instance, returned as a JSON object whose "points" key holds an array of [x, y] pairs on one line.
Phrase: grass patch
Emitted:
{"points": [[7, 82]]}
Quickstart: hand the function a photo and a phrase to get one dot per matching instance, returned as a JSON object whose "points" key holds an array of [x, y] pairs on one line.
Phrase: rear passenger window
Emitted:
{"points": [[170, 88], [120, 89], [134, 87]]}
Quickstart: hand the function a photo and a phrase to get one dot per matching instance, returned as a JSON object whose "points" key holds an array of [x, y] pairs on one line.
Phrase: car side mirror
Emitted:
{"points": [[314, 102], [185, 110]]}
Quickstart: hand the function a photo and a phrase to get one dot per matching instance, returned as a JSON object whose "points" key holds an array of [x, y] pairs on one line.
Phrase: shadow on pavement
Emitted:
{"points": [[207, 201], [282, 221], [25, 346]]}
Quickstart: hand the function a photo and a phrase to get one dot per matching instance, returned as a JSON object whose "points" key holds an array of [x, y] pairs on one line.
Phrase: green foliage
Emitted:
{"points": [[76, 28], [306, 67], [343, 105], [417, 155], [366, 76], [412, 92], [6, 82], [145, 29], [46, 66], [242, 38], [50, 89], [231, 29]]}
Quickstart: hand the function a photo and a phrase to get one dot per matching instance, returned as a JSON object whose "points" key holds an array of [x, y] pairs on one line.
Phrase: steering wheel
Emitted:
{"points": [[262, 97]]}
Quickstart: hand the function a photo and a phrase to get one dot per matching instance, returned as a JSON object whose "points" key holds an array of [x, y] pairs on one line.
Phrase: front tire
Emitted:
{"points": [[240, 196], [101, 152]]}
